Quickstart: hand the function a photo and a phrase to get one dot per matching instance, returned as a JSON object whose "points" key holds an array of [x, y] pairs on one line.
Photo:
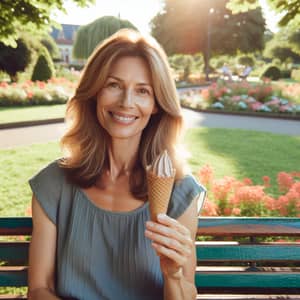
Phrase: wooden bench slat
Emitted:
{"points": [[13, 276], [245, 269], [245, 297], [278, 252], [248, 279], [230, 226], [15, 226], [212, 278], [9, 297], [14, 252]]}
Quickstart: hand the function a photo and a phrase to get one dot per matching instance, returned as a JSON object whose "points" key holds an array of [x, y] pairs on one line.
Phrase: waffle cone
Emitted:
{"points": [[159, 192]]}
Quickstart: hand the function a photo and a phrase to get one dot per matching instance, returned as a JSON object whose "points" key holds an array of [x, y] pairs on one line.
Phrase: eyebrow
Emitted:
{"points": [[139, 83]]}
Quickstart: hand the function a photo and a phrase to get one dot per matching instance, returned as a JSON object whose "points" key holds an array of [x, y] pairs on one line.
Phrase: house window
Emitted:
{"points": [[61, 34]]}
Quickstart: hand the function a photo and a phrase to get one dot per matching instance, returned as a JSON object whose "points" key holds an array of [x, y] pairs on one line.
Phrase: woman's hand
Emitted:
{"points": [[172, 242]]}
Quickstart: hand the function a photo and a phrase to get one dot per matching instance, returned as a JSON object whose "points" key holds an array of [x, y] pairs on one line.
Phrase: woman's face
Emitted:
{"points": [[126, 102]]}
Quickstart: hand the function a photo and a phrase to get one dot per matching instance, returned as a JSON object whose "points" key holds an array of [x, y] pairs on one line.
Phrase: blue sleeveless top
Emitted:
{"points": [[104, 254]]}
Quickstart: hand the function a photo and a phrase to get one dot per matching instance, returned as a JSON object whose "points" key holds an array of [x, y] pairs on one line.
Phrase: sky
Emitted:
{"points": [[138, 12]]}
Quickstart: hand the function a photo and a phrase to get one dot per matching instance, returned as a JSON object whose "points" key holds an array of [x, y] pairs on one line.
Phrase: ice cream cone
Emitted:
{"points": [[159, 192]]}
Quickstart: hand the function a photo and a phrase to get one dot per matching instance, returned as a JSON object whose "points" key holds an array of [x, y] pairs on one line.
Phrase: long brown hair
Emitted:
{"points": [[86, 142]]}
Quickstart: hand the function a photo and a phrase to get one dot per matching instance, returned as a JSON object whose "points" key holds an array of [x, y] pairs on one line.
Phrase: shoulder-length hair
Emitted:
{"points": [[85, 143]]}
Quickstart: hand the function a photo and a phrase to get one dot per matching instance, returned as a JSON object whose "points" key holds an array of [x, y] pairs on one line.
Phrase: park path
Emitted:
{"points": [[52, 132]]}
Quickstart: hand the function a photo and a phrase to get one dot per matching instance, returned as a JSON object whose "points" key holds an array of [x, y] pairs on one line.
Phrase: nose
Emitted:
{"points": [[127, 98]]}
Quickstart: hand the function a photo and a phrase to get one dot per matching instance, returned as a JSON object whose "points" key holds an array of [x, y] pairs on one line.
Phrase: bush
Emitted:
{"points": [[44, 68], [76, 67], [14, 60], [272, 73], [243, 96], [55, 91], [231, 197], [246, 61], [295, 75], [286, 73]]}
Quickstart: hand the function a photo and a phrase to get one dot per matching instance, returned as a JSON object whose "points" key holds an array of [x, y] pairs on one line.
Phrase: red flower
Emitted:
{"points": [[266, 180]]}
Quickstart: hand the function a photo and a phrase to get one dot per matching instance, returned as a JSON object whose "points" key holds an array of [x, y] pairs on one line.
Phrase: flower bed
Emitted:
{"points": [[245, 97], [54, 91], [231, 197], [283, 99]]}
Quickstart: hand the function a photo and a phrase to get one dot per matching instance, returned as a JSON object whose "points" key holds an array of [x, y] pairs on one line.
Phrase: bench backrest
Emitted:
{"points": [[248, 265]]}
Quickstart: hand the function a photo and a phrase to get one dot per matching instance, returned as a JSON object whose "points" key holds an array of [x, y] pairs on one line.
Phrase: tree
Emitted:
{"points": [[48, 41], [246, 61], [198, 26], [28, 15], [289, 8], [90, 35], [285, 45], [14, 60], [295, 41], [44, 68]]}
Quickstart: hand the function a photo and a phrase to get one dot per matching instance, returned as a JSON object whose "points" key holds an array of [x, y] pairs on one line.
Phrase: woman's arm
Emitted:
{"points": [[174, 243], [42, 254]]}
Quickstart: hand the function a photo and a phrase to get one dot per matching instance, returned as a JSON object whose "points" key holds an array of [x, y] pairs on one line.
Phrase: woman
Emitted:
{"points": [[92, 235]]}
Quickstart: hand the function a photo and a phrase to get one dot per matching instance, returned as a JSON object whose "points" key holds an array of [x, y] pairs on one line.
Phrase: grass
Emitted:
{"points": [[17, 166], [41, 112], [243, 153], [239, 153]]}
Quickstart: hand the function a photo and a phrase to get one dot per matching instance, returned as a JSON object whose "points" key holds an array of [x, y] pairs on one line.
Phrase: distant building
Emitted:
{"points": [[64, 39]]}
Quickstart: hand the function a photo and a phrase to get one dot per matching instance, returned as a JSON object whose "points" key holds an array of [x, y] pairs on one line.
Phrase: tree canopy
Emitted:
{"points": [[207, 26], [290, 9], [28, 15], [295, 41], [90, 35], [284, 45], [14, 60]]}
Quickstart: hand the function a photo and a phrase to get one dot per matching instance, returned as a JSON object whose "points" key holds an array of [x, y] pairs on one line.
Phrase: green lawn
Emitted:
{"points": [[239, 153], [41, 112], [243, 153]]}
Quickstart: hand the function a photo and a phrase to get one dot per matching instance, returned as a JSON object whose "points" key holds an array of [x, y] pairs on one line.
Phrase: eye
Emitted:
{"points": [[144, 91], [114, 85]]}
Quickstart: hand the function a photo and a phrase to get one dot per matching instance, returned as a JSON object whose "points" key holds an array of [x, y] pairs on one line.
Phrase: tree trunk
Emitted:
{"points": [[13, 78], [206, 65]]}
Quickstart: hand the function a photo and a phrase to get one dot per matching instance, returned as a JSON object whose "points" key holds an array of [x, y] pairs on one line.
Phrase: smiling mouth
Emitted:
{"points": [[121, 118]]}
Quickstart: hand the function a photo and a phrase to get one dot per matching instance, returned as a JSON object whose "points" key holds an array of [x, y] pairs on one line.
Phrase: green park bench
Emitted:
{"points": [[248, 269]]}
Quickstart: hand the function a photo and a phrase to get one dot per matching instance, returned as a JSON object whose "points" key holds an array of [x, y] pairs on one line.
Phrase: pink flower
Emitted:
{"points": [[236, 211], [247, 181], [236, 98], [255, 105], [209, 208], [227, 211], [28, 211], [222, 187], [270, 203], [285, 108], [29, 94], [285, 181], [206, 174], [4, 84], [266, 180]]}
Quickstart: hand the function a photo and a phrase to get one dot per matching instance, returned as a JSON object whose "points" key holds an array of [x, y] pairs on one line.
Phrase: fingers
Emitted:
{"points": [[170, 239], [166, 220], [169, 242], [171, 228], [171, 254]]}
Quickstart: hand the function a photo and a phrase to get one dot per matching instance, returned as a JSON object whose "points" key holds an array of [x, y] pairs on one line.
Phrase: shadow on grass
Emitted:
{"points": [[242, 153]]}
